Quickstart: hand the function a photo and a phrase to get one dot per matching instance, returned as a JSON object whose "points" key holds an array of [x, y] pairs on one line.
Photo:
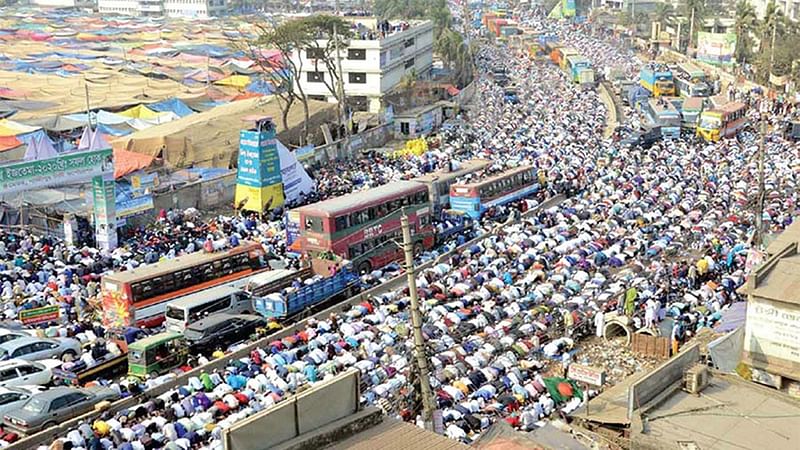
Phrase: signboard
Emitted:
{"points": [[304, 153], [144, 184], [64, 169], [259, 164], [136, 205], [586, 374], [291, 221], [772, 336], [39, 315], [293, 175], [716, 48], [568, 8]]}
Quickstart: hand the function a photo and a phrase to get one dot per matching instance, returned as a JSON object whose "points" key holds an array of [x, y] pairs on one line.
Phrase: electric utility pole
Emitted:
{"points": [[416, 324], [758, 236]]}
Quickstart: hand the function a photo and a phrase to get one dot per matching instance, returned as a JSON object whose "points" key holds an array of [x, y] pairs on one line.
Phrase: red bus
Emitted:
{"points": [[364, 226], [139, 297]]}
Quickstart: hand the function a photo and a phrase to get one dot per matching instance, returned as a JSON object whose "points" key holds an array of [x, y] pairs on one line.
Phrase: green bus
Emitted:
{"points": [[156, 355]]}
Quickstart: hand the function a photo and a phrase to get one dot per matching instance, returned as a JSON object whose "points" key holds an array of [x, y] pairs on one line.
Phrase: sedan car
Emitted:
{"points": [[13, 398], [9, 335], [33, 349], [18, 372], [49, 408], [221, 330]]}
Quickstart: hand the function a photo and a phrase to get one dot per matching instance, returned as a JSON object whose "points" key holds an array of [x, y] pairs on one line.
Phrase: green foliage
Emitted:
{"points": [[698, 8], [663, 13], [745, 24]]}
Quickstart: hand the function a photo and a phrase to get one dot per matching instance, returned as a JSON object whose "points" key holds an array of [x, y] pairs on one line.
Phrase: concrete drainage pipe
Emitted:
{"points": [[614, 330], [649, 331]]}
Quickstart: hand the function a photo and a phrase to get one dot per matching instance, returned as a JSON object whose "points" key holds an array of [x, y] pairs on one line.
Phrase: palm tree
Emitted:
{"points": [[695, 9], [745, 24], [663, 13], [773, 23]]}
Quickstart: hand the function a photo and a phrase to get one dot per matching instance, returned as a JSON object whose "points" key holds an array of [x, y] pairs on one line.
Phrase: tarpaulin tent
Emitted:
{"points": [[9, 142], [172, 105], [141, 112], [237, 81], [126, 162], [11, 128]]}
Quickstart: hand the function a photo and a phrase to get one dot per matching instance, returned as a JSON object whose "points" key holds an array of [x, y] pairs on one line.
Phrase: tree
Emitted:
{"points": [[329, 34], [744, 25], [400, 9], [663, 13], [695, 11], [287, 37]]}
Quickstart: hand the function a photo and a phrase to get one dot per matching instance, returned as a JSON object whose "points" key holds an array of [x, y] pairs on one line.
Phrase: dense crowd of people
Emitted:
{"points": [[660, 235]]}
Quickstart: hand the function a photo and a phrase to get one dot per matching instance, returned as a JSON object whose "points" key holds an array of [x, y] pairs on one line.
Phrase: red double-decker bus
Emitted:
{"points": [[140, 296], [364, 227]]}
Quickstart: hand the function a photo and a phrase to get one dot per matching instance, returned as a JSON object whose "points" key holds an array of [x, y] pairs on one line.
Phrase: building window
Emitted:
{"points": [[409, 63], [357, 78], [319, 98], [357, 54], [404, 129], [409, 43], [315, 77], [358, 103], [315, 53]]}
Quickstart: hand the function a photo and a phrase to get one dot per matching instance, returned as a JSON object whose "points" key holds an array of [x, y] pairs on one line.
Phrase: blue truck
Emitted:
{"points": [[293, 300]]}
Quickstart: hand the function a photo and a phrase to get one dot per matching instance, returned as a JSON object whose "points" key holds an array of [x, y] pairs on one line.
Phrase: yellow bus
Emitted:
{"points": [[722, 122]]}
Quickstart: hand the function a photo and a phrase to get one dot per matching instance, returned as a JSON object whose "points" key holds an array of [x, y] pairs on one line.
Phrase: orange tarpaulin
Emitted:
{"points": [[9, 142], [126, 162]]}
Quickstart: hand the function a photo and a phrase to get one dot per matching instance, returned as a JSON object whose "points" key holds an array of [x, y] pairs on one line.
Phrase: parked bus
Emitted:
{"points": [[690, 81], [228, 298], [660, 112], [722, 122], [439, 182], [580, 70], [475, 198], [365, 226], [140, 296], [562, 54], [691, 108]]}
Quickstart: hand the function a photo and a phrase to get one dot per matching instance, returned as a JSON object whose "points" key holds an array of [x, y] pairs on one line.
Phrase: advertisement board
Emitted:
{"points": [[259, 164], [586, 374], [133, 206], [772, 336], [39, 315], [63, 169], [716, 48], [568, 8]]}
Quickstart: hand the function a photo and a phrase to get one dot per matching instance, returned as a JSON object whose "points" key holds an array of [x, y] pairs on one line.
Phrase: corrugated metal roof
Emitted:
{"points": [[392, 434]]}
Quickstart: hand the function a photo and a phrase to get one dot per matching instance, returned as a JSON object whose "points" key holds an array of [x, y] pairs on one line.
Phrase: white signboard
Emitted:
{"points": [[586, 374], [773, 330], [294, 176]]}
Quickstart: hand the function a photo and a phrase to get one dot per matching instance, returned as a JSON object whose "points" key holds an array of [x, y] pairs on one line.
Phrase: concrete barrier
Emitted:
{"points": [[661, 378], [218, 364]]}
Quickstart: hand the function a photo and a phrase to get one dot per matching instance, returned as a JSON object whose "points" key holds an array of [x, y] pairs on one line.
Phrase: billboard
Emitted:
{"points": [[568, 8], [63, 169], [716, 48], [772, 336], [259, 184]]}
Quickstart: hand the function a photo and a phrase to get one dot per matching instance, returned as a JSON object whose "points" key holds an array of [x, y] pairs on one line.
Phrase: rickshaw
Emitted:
{"points": [[156, 355]]}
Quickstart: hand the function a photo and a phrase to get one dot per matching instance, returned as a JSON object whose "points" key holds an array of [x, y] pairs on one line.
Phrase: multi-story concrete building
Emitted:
{"points": [[63, 3], [790, 8], [157, 8], [373, 64]]}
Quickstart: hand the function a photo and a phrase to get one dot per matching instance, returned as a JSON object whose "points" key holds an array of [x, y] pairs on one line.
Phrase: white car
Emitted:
{"points": [[11, 399], [18, 372]]}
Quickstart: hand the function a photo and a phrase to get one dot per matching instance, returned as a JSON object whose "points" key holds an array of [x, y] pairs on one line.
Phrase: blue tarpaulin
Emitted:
{"points": [[173, 105]]}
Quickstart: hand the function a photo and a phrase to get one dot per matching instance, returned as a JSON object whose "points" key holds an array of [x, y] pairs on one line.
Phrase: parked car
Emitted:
{"points": [[33, 349], [642, 138], [220, 330], [18, 372], [9, 335], [12, 398], [48, 408]]}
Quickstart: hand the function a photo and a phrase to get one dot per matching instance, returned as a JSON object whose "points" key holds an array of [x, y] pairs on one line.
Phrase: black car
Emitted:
{"points": [[792, 130], [221, 330], [642, 138]]}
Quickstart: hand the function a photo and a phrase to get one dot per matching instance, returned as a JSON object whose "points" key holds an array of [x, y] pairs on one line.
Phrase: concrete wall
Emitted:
{"points": [[661, 378], [374, 137], [201, 194], [303, 413]]}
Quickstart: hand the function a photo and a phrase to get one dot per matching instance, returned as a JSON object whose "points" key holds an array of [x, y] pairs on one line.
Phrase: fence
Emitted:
{"points": [[653, 346], [302, 413]]}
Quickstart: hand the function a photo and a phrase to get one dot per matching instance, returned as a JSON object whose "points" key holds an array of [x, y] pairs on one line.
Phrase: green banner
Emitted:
{"points": [[64, 169], [39, 315]]}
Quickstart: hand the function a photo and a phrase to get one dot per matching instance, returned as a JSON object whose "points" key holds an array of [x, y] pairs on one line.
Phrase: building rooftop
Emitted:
{"points": [[729, 413], [392, 434], [778, 278], [790, 235]]}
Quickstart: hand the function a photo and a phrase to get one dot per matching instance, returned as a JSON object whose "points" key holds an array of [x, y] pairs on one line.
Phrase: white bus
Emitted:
{"points": [[228, 298]]}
